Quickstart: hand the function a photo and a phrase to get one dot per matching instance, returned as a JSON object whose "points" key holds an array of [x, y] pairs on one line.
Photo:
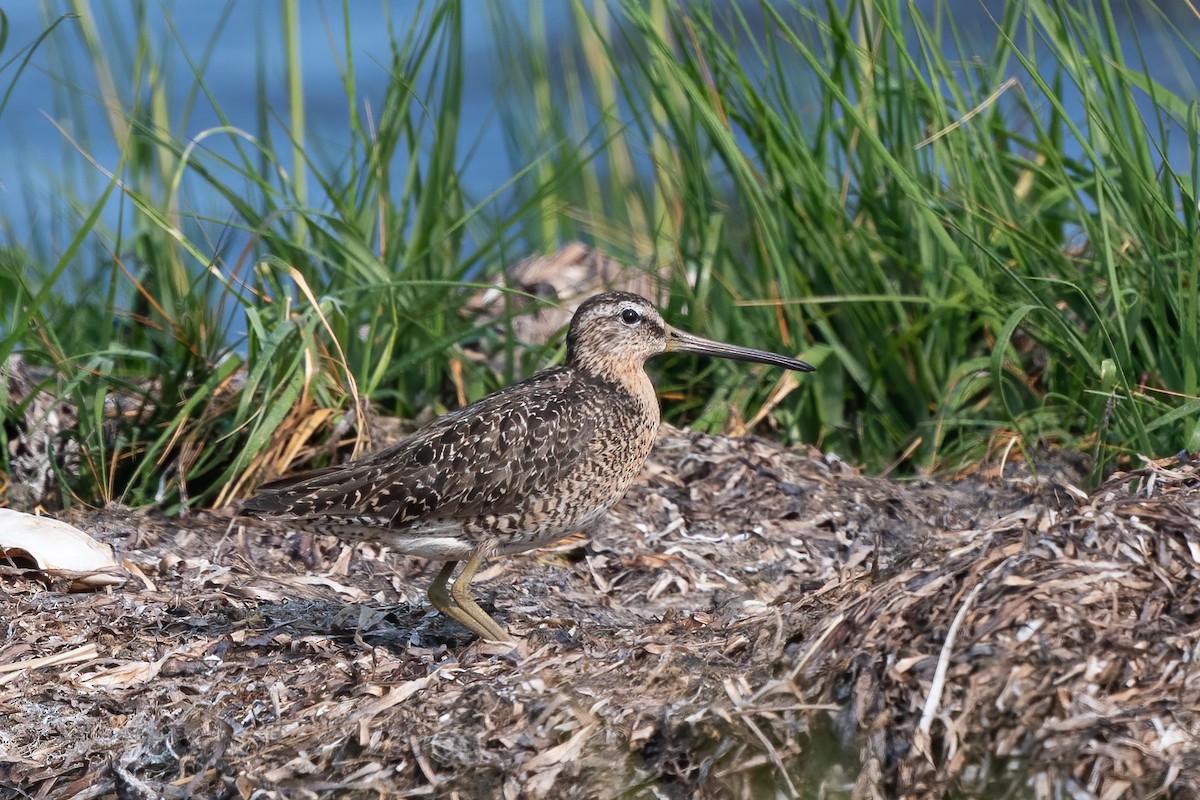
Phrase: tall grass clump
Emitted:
{"points": [[985, 249], [215, 335]]}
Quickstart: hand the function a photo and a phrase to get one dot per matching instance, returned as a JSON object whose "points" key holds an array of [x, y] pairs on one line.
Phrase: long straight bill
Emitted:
{"points": [[682, 342]]}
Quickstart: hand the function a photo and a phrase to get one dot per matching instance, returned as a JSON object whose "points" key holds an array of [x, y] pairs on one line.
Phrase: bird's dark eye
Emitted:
{"points": [[630, 317]]}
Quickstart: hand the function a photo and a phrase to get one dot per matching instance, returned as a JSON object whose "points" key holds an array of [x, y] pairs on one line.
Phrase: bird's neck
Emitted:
{"points": [[640, 387], [634, 383]]}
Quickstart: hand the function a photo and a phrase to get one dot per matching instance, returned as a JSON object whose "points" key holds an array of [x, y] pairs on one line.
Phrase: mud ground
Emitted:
{"points": [[751, 621]]}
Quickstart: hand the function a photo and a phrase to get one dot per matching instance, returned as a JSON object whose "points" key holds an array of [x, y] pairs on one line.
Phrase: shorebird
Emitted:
{"points": [[516, 470]]}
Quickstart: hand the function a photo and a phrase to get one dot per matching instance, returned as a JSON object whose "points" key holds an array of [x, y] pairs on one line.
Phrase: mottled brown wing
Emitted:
{"points": [[484, 458]]}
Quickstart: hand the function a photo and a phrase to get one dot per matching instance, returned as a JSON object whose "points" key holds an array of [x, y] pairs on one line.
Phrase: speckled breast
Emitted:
{"points": [[611, 456]]}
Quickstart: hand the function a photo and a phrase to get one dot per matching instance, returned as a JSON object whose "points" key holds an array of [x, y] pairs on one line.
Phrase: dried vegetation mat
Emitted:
{"points": [[751, 621]]}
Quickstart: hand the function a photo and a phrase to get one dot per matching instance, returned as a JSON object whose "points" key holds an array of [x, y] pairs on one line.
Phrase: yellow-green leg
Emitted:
{"points": [[458, 604]]}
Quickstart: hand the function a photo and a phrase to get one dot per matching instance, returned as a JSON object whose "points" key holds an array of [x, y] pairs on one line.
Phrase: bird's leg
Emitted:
{"points": [[461, 594], [439, 593], [458, 603]]}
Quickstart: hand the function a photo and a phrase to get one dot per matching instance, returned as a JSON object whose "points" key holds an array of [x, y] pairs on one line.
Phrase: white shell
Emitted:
{"points": [[58, 549]]}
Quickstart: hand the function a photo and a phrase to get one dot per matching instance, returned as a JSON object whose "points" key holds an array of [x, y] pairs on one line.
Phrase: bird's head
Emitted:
{"points": [[615, 332]]}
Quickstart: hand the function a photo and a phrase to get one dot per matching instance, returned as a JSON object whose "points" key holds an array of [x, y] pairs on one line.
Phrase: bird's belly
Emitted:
{"points": [[553, 529], [541, 521], [452, 544], [456, 540]]}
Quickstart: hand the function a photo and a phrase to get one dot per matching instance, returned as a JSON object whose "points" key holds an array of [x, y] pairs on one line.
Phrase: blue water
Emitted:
{"points": [[40, 167], [37, 156]]}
